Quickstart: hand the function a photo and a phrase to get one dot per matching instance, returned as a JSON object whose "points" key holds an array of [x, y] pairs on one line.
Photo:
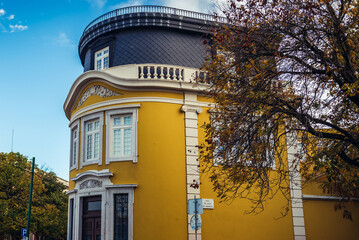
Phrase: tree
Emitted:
{"points": [[49, 208], [280, 68]]}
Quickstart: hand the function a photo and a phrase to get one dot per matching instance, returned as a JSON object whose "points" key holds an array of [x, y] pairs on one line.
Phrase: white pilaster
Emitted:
{"points": [[192, 163], [295, 189]]}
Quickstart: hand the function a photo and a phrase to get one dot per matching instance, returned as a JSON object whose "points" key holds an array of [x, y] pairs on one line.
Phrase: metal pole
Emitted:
{"points": [[30, 200], [195, 218]]}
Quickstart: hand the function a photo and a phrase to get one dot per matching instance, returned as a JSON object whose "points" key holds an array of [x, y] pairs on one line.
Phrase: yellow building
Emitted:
{"points": [[135, 118]]}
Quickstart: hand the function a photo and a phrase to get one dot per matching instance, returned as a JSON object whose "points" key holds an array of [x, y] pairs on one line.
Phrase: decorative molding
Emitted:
{"points": [[122, 186], [91, 183], [97, 90], [123, 83], [191, 108], [71, 192], [327, 198], [92, 173]]}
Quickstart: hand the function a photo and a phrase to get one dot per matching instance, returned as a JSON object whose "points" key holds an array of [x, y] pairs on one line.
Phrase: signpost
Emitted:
{"points": [[23, 233], [195, 207]]}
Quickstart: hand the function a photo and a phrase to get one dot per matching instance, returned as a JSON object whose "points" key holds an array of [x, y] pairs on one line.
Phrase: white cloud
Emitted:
{"points": [[127, 4], [205, 6], [2, 12], [97, 3], [17, 27], [63, 40], [12, 16]]}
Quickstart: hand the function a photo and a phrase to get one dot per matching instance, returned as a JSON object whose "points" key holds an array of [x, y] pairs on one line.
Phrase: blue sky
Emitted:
{"points": [[38, 64]]}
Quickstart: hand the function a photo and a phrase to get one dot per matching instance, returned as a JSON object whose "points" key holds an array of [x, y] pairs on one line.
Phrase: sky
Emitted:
{"points": [[39, 62]]}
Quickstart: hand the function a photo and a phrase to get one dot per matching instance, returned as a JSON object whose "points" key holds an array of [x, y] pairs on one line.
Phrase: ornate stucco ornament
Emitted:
{"points": [[91, 183], [97, 90]]}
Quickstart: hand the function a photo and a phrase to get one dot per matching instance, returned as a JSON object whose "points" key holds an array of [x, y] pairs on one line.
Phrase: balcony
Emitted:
{"points": [[156, 72]]}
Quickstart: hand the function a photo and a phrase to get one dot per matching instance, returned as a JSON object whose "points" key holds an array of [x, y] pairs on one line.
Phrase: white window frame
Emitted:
{"points": [[84, 120], [109, 135], [74, 126], [103, 53]]}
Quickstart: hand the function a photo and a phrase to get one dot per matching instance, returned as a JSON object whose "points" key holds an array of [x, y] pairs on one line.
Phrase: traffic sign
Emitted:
{"points": [[195, 205], [23, 232], [193, 222]]}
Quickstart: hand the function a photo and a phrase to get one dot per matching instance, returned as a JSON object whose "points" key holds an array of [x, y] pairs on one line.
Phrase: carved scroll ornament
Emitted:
{"points": [[92, 183], [96, 90]]}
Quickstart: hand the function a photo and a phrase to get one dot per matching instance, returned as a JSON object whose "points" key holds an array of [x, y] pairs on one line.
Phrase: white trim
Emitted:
{"points": [[90, 108], [327, 198], [295, 188], [72, 126], [109, 114], [101, 108], [83, 140], [92, 173], [121, 186]]}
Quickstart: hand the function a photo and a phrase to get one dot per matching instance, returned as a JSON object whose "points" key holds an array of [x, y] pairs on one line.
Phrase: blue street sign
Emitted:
{"points": [[192, 206], [193, 222], [23, 232]]}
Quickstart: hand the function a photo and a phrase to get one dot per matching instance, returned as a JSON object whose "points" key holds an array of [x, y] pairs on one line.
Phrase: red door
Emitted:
{"points": [[91, 218]]}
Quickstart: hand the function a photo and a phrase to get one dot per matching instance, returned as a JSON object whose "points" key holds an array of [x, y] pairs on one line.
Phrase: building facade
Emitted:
{"points": [[135, 120]]}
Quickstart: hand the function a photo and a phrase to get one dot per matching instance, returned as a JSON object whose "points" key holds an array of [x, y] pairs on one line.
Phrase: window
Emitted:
{"points": [[121, 135], [91, 139], [71, 219], [102, 59], [74, 148], [121, 216]]}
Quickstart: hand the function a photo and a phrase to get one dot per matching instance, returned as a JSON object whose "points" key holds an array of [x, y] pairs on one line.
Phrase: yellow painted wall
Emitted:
{"points": [[322, 222], [160, 206], [228, 221], [160, 198]]}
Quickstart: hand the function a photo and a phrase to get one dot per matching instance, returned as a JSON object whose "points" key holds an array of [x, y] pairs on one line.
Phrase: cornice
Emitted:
{"points": [[122, 83]]}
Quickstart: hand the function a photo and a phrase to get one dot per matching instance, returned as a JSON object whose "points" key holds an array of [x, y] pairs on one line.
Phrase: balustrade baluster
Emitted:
{"points": [[180, 74], [141, 72], [174, 74], [161, 75], [148, 71], [155, 75]]}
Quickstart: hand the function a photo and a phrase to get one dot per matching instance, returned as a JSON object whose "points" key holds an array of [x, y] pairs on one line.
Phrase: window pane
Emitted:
{"points": [[94, 206], [117, 142], [105, 62], [74, 153], [128, 142], [117, 121], [89, 147], [98, 64], [99, 54], [97, 145], [128, 120], [89, 127], [97, 125], [121, 217]]}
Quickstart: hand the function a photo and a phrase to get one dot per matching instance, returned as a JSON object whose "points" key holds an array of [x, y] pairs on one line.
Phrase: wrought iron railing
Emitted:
{"points": [[154, 9]]}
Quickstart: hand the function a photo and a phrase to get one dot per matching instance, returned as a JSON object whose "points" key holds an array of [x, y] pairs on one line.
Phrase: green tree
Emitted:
{"points": [[49, 209], [279, 63]]}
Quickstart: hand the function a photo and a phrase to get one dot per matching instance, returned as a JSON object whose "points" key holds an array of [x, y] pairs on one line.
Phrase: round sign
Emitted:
{"points": [[193, 222]]}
